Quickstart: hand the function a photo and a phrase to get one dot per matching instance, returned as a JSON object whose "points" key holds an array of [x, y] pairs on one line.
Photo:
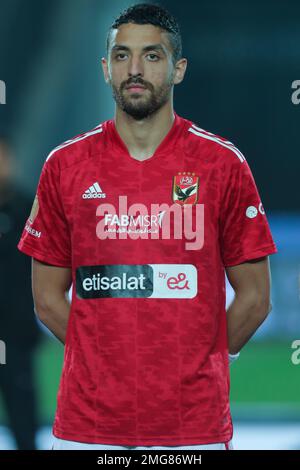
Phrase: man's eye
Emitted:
{"points": [[118, 56], [155, 56]]}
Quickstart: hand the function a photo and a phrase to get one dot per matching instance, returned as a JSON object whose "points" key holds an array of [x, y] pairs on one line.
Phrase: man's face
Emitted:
{"points": [[140, 55]]}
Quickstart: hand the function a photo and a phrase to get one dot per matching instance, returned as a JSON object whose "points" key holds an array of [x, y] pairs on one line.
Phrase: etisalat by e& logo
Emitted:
{"points": [[2, 92]]}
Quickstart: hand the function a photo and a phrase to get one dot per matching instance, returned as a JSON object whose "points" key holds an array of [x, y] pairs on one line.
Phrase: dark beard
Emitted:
{"points": [[145, 108]]}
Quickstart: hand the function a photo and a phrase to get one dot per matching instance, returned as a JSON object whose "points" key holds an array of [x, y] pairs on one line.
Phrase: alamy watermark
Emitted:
{"points": [[2, 92], [2, 352], [295, 358], [164, 221], [296, 94]]}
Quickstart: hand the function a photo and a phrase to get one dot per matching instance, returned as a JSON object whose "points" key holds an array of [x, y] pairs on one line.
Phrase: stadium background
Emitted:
{"points": [[242, 60]]}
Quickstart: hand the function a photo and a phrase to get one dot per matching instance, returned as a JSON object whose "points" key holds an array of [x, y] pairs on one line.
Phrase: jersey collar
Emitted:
{"points": [[166, 145]]}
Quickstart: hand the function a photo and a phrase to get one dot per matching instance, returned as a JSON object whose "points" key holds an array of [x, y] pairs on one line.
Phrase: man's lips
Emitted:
{"points": [[135, 87]]}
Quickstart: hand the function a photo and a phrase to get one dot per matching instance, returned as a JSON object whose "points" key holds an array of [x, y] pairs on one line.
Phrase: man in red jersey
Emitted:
{"points": [[143, 215]]}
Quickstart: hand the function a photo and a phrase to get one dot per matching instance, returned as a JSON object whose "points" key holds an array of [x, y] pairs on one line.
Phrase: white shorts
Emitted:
{"points": [[62, 444]]}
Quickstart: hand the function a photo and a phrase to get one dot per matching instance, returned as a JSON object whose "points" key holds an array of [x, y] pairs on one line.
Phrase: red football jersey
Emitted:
{"points": [[146, 355]]}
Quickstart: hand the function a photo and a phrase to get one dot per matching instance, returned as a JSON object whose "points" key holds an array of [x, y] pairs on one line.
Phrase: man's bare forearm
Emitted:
{"points": [[50, 285], [244, 316], [55, 317]]}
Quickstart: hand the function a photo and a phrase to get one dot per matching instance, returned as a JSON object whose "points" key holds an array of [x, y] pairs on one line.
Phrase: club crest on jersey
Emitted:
{"points": [[185, 188]]}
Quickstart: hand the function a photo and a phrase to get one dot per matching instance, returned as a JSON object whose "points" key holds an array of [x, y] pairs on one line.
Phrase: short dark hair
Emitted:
{"points": [[146, 13]]}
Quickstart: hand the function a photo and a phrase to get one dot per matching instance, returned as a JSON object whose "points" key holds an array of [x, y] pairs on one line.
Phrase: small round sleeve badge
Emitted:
{"points": [[251, 212]]}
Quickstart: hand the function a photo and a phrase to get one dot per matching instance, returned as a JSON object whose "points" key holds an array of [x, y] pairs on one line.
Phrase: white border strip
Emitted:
{"points": [[225, 143], [97, 130]]}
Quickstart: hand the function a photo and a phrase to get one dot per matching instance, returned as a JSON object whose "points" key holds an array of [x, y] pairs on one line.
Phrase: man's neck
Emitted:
{"points": [[143, 137]]}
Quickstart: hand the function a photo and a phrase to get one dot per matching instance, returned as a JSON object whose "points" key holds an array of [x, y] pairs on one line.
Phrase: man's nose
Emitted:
{"points": [[135, 66]]}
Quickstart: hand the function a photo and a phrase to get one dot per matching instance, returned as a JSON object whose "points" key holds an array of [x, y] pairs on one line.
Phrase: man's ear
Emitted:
{"points": [[104, 64], [180, 69]]}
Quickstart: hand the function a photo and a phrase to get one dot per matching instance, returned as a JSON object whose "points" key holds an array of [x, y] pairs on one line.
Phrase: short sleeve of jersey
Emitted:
{"points": [[46, 233], [244, 229]]}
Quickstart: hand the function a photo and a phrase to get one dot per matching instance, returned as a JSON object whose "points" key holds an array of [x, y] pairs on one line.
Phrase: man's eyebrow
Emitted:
{"points": [[151, 47], [154, 47]]}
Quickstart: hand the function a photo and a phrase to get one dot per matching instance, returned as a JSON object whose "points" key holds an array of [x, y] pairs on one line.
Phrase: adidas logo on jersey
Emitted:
{"points": [[94, 192]]}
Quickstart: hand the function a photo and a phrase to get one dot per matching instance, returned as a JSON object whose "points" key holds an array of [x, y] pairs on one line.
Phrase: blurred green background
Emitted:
{"points": [[263, 375], [263, 380]]}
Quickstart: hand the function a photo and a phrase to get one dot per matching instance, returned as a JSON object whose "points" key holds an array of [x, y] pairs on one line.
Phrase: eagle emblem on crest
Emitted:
{"points": [[185, 188]]}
